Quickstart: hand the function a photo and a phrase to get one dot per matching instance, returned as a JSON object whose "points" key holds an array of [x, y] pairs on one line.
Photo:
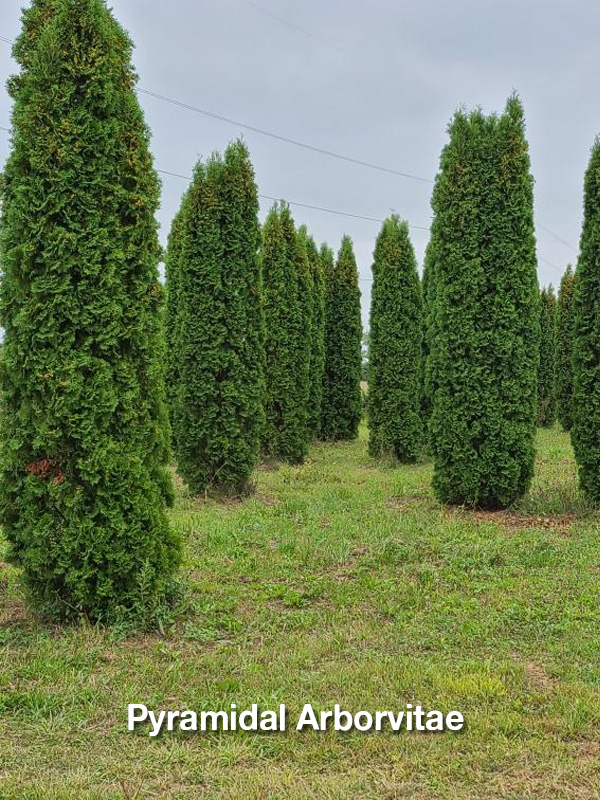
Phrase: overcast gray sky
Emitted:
{"points": [[377, 80]]}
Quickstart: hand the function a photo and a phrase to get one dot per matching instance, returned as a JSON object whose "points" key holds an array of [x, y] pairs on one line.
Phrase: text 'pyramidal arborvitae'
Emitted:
{"points": [[83, 482]]}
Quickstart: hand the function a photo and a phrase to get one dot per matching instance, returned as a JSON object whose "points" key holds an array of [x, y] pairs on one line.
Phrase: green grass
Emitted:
{"points": [[339, 581]]}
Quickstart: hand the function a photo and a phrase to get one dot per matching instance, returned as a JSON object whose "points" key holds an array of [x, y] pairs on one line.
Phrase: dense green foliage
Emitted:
{"points": [[317, 335], [395, 346], [547, 364], [173, 318], [83, 481], [428, 295], [218, 406], [486, 331], [585, 430], [564, 349], [287, 300], [342, 401]]}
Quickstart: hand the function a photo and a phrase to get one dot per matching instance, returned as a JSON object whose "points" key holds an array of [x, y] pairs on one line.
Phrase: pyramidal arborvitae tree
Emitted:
{"points": [[219, 328], [342, 401], [547, 365], [395, 347], [84, 428], [486, 332], [173, 317], [317, 336], [429, 305], [564, 349], [585, 430], [287, 340]]}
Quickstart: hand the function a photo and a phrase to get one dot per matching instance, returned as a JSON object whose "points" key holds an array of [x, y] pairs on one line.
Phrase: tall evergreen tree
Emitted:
{"points": [[173, 317], [84, 429], [429, 306], [286, 284], [219, 327], [395, 351], [317, 340], [547, 364], [585, 430], [342, 400], [564, 349], [486, 331]]}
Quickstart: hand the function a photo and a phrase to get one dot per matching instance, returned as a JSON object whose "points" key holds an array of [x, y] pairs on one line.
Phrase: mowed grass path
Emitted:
{"points": [[339, 581]]}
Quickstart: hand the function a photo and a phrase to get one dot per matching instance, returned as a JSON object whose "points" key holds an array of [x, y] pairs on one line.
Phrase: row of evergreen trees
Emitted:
{"points": [[263, 331]]}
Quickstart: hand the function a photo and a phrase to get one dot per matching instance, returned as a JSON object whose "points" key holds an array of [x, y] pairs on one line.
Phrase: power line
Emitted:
{"points": [[558, 238], [302, 205], [306, 146], [287, 139]]}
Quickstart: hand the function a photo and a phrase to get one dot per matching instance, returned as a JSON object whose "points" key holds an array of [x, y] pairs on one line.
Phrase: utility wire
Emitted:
{"points": [[306, 146], [302, 205], [558, 238], [288, 140]]}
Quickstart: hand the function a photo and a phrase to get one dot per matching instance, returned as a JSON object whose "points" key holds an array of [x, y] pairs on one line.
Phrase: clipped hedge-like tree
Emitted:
{"points": [[84, 429], [395, 346], [547, 366], [173, 317], [342, 400], [564, 349], [585, 431], [486, 332], [429, 305], [219, 328], [317, 336], [287, 343]]}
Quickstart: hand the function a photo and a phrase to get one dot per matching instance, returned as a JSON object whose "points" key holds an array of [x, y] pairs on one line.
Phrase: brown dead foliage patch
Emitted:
{"points": [[537, 676], [560, 523]]}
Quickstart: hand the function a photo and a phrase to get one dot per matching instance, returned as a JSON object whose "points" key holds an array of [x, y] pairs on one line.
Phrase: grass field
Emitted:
{"points": [[339, 581]]}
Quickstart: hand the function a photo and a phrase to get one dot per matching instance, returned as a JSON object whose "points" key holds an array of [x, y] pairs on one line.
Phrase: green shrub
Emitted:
{"points": [[287, 349], [173, 318], [486, 330], [83, 478], [585, 431], [547, 365], [564, 349], [342, 401], [395, 352], [218, 323], [317, 337]]}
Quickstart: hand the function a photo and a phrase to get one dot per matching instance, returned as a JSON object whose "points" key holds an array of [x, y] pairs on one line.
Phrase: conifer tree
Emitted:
{"points": [[317, 341], [585, 430], [564, 349], [173, 317], [395, 346], [342, 400], [219, 328], [84, 429], [547, 364], [286, 288], [429, 305], [486, 330]]}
